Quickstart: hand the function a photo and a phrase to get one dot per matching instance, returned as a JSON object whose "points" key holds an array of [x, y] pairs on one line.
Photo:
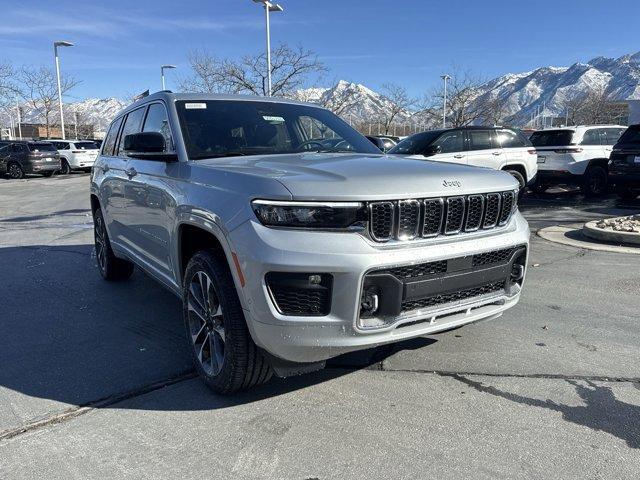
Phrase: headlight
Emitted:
{"points": [[320, 215]]}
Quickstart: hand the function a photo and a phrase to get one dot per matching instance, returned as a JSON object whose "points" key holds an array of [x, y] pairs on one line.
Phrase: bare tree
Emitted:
{"points": [[594, 106], [397, 102], [493, 110], [464, 106], [41, 91], [289, 70]]}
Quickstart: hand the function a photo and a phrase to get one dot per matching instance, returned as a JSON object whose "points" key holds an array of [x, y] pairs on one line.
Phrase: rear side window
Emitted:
{"points": [[132, 124], [451, 142], [591, 137], [551, 138], [85, 146], [41, 147], [61, 145], [511, 139], [157, 121], [110, 140], [631, 136], [480, 140], [612, 135]]}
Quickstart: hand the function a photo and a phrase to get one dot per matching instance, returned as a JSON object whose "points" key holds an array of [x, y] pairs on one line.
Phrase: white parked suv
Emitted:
{"points": [[575, 155], [490, 147], [76, 154]]}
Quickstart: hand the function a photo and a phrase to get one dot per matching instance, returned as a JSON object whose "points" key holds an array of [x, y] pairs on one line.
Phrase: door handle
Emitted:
{"points": [[131, 172], [458, 156], [497, 153]]}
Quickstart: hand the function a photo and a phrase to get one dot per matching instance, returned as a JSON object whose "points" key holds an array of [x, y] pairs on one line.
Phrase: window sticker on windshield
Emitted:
{"points": [[195, 106], [270, 118]]}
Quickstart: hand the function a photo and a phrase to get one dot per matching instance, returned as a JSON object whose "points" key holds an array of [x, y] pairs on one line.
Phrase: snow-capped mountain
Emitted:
{"points": [[92, 111], [521, 94], [549, 87]]}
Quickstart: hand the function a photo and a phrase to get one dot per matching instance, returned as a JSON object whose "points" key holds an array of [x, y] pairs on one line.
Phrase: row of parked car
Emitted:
{"points": [[593, 157], [21, 157]]}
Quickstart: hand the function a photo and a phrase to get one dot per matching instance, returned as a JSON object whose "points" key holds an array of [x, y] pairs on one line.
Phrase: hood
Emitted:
{"points": [[346, 176]]}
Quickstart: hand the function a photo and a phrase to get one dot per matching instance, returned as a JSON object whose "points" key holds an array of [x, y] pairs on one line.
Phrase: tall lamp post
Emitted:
{"points": [[57, 44], [269, 7], [162, 69], [19, 120], [445, 78]]}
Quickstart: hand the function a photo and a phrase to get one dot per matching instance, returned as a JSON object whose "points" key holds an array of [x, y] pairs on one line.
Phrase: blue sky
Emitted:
{"points": [[121, 44]]}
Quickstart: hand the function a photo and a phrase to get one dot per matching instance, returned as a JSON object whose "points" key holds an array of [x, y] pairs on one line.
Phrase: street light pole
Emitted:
{"points": [[19, 120], [269, 7], [162, 68], [445, 78], [75, 122], [61, 43]]}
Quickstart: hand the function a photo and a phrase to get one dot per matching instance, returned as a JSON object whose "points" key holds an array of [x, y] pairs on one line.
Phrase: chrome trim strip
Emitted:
{"points": [[393, 221], [441, 202], [417, 205], [446, 225], [484, 216], [293, 203], [466, 220]]}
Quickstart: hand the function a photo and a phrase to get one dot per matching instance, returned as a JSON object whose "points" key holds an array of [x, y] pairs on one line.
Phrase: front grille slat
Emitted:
{"points": [[426, 218]]}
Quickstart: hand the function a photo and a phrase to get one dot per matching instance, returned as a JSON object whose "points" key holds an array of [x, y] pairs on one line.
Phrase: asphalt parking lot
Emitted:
{"points": [[95, 380]]}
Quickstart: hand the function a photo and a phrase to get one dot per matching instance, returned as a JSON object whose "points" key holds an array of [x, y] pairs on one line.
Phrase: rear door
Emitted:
{"points": [[592, 144], [5, 153], [484, 149]]}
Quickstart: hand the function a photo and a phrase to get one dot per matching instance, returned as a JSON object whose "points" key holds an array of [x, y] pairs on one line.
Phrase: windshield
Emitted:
{"points": [[223, 128], [551, 138], [631, 136], [42, 147], [415, 144], [86, 146]]}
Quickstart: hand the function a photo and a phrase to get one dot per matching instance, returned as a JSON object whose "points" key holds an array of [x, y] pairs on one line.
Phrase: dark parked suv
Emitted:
{"points": [[624, 164], [18, 158]]}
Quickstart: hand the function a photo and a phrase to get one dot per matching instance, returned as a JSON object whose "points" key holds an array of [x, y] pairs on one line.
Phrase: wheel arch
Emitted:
{"points": [[599, 162], [518, 167]]}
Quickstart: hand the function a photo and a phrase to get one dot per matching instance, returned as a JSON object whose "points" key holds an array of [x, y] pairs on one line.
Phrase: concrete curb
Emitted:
{"points": [[627, 238], [575, 237]]}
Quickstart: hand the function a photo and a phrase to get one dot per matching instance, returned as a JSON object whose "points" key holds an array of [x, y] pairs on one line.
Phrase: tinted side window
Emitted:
{"points": [[110, 140], [509, 139], [450, 142], [591, 137], [480, 140], [132, 124], [612, 135], [157, 121]]}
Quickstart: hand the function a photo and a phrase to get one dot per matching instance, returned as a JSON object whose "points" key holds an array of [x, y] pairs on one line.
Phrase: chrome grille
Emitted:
{"points": [[424, 218]]}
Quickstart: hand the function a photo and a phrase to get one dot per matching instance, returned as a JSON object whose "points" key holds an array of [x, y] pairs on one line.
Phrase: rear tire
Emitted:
{"points": [[519, 177], [15, 171], [65, 169], [111, 267], [595, 181], [222, 350]]}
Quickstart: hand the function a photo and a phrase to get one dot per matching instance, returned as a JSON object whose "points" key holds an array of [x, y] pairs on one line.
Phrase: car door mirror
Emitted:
{"points": [[431, 150], [148, 146]]}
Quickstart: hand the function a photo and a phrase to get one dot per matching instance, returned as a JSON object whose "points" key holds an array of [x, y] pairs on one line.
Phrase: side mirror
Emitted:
{"points": [[148, 146], [431, 150]]}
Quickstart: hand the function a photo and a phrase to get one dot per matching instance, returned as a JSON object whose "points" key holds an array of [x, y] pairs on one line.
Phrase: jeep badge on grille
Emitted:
{"points": [[451, 183]]}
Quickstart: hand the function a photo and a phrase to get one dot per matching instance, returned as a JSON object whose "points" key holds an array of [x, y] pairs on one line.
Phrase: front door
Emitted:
{"points": [[451, 146]]}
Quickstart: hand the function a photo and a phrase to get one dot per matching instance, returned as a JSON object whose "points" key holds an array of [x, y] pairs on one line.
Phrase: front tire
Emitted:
{"points": [[224, 355], [595, 181], [111, 267]]}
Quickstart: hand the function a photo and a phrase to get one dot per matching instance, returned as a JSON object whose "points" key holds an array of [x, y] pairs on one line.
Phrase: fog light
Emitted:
{"points": [[370, 302], [315, 279]]}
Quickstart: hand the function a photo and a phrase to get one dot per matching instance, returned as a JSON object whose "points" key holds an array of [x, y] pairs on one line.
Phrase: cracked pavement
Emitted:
{"points": [[96, 382]]}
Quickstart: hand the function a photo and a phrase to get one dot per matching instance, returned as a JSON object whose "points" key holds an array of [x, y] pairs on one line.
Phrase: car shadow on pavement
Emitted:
{"points": [[68, 336], [33, 218], [602, 410]]}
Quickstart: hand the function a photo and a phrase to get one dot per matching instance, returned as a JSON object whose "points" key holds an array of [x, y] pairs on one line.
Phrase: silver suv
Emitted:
{"points": [[291, 238]]}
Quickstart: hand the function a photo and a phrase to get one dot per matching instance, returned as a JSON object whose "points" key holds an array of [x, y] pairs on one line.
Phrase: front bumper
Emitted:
{"points": [[348, 258], [558, 176], [628, 178]]}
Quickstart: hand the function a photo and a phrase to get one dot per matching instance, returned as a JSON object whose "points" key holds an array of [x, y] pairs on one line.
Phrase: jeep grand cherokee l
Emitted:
{"points": [[287, 250], [491, 147]]}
